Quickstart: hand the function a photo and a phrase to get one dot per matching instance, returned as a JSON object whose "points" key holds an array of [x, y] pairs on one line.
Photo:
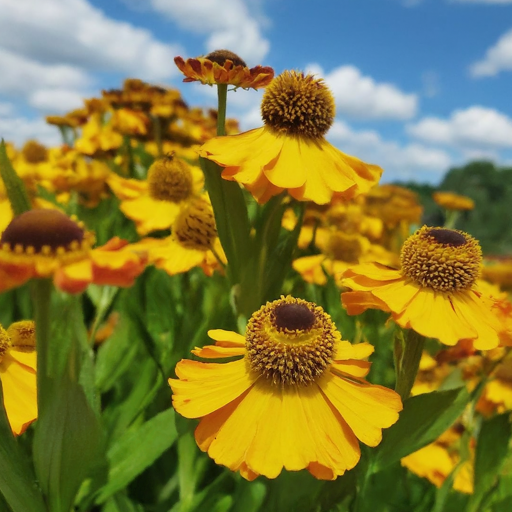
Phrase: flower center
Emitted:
{"points": [[42, 231], [170, 179], [23, 334], [442, 259], [194, 227], [221, 56], [290, 341], [344, 247], [294, 104], [5, 342], [34, 153]]}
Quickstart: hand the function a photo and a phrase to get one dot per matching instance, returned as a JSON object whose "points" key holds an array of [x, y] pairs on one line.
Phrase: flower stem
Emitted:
{"points": [[407, 351], [41, 290], [222, 95]]}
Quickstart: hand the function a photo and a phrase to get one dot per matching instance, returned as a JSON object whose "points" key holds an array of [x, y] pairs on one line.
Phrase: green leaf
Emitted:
{"points": [[137, 449], [14, 186], [121, 503], [491, 452], [424, 419], [17, 480], [67, 444], [230, 216]]}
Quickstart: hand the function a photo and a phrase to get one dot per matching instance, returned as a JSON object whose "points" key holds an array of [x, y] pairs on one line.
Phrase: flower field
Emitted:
{"points": [[195, 318]]}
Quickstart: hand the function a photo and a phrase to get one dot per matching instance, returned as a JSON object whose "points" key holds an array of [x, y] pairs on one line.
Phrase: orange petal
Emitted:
{"points": [[357, 302], [227, 338]]}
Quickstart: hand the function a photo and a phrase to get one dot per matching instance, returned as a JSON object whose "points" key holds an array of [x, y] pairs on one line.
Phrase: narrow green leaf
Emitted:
{"points": [[424, 418], [491, 452], [230, 216], [67, 444], [408, 350], [14, 186], [137, 449], [121, 503], [17, 481]]}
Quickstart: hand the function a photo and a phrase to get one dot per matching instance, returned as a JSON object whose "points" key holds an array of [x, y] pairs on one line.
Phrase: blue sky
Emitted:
{"points": [[420, 85]]}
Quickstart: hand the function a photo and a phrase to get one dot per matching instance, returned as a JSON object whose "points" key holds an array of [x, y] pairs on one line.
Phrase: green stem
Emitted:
{"points": [[157, 131], [41, 291], [408, 350], [222, 96], [451, 219]]}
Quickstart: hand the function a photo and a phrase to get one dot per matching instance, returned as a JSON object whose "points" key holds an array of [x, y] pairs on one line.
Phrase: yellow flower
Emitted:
{"points": [[193, 243], [451, 201], [290, 152], [295, 398], [437, 460], [224, 67], [154, 204], [436, 292], [45, 243], [18, 374], [339, 251]]}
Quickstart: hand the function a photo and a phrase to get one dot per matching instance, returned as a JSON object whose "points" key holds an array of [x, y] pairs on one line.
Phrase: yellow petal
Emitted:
{"points": [[353, 367], [216, 351], [346, 350], [397, 295], [288, 170], [205, 387], [366, 408], [20, 392], [431, 314], [477, 311], [227, 338]]}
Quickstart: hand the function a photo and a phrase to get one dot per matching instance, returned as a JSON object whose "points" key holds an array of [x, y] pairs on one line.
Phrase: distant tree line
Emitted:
{"points": [[491, 189]]}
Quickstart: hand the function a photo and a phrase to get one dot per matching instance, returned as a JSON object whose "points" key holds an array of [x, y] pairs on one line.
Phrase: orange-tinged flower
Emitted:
{"points": [[295, 398], [18, 374], [451, 201], [45, 243], [436, 292], [224, 67], [290, 152]]}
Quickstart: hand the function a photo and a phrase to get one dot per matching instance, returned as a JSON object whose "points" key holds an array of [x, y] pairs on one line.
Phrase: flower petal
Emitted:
{"points": [[347, 350], [205, 387], [20, 393], [227, 338], [366, 408]]}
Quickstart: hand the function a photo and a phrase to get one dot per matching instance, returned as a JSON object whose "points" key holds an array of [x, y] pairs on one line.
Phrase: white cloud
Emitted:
{"points": [[403, 162], [475, 126], [361, 97], [18, 130], [21, 75], [56, 100], [497, 58], [6, 109], [228, 24], [75, 32]]}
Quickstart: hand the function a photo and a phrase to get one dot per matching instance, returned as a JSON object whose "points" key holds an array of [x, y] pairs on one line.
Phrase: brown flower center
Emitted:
{"points": [[194, 228], [442, 259], [221, 56], [42, 228], [298, 104], [290, 341], [170, 179]]}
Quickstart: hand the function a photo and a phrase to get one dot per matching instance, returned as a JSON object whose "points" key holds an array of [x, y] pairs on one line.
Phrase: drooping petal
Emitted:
{"points": [[202, 388], [431, 314], [397, 294], [357, 302], [477, 311], [217, 351], [227, 338], [352, 367], [347, 350], [289, 170], [20, 392], [366, 408]]}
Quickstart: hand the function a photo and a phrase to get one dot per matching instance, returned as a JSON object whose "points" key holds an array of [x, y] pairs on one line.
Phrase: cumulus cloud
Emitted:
{"points": [[402, 162], [75, 32], [228, 23], [475, 126], [18, 129], [497, 58], [361, 97]]}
